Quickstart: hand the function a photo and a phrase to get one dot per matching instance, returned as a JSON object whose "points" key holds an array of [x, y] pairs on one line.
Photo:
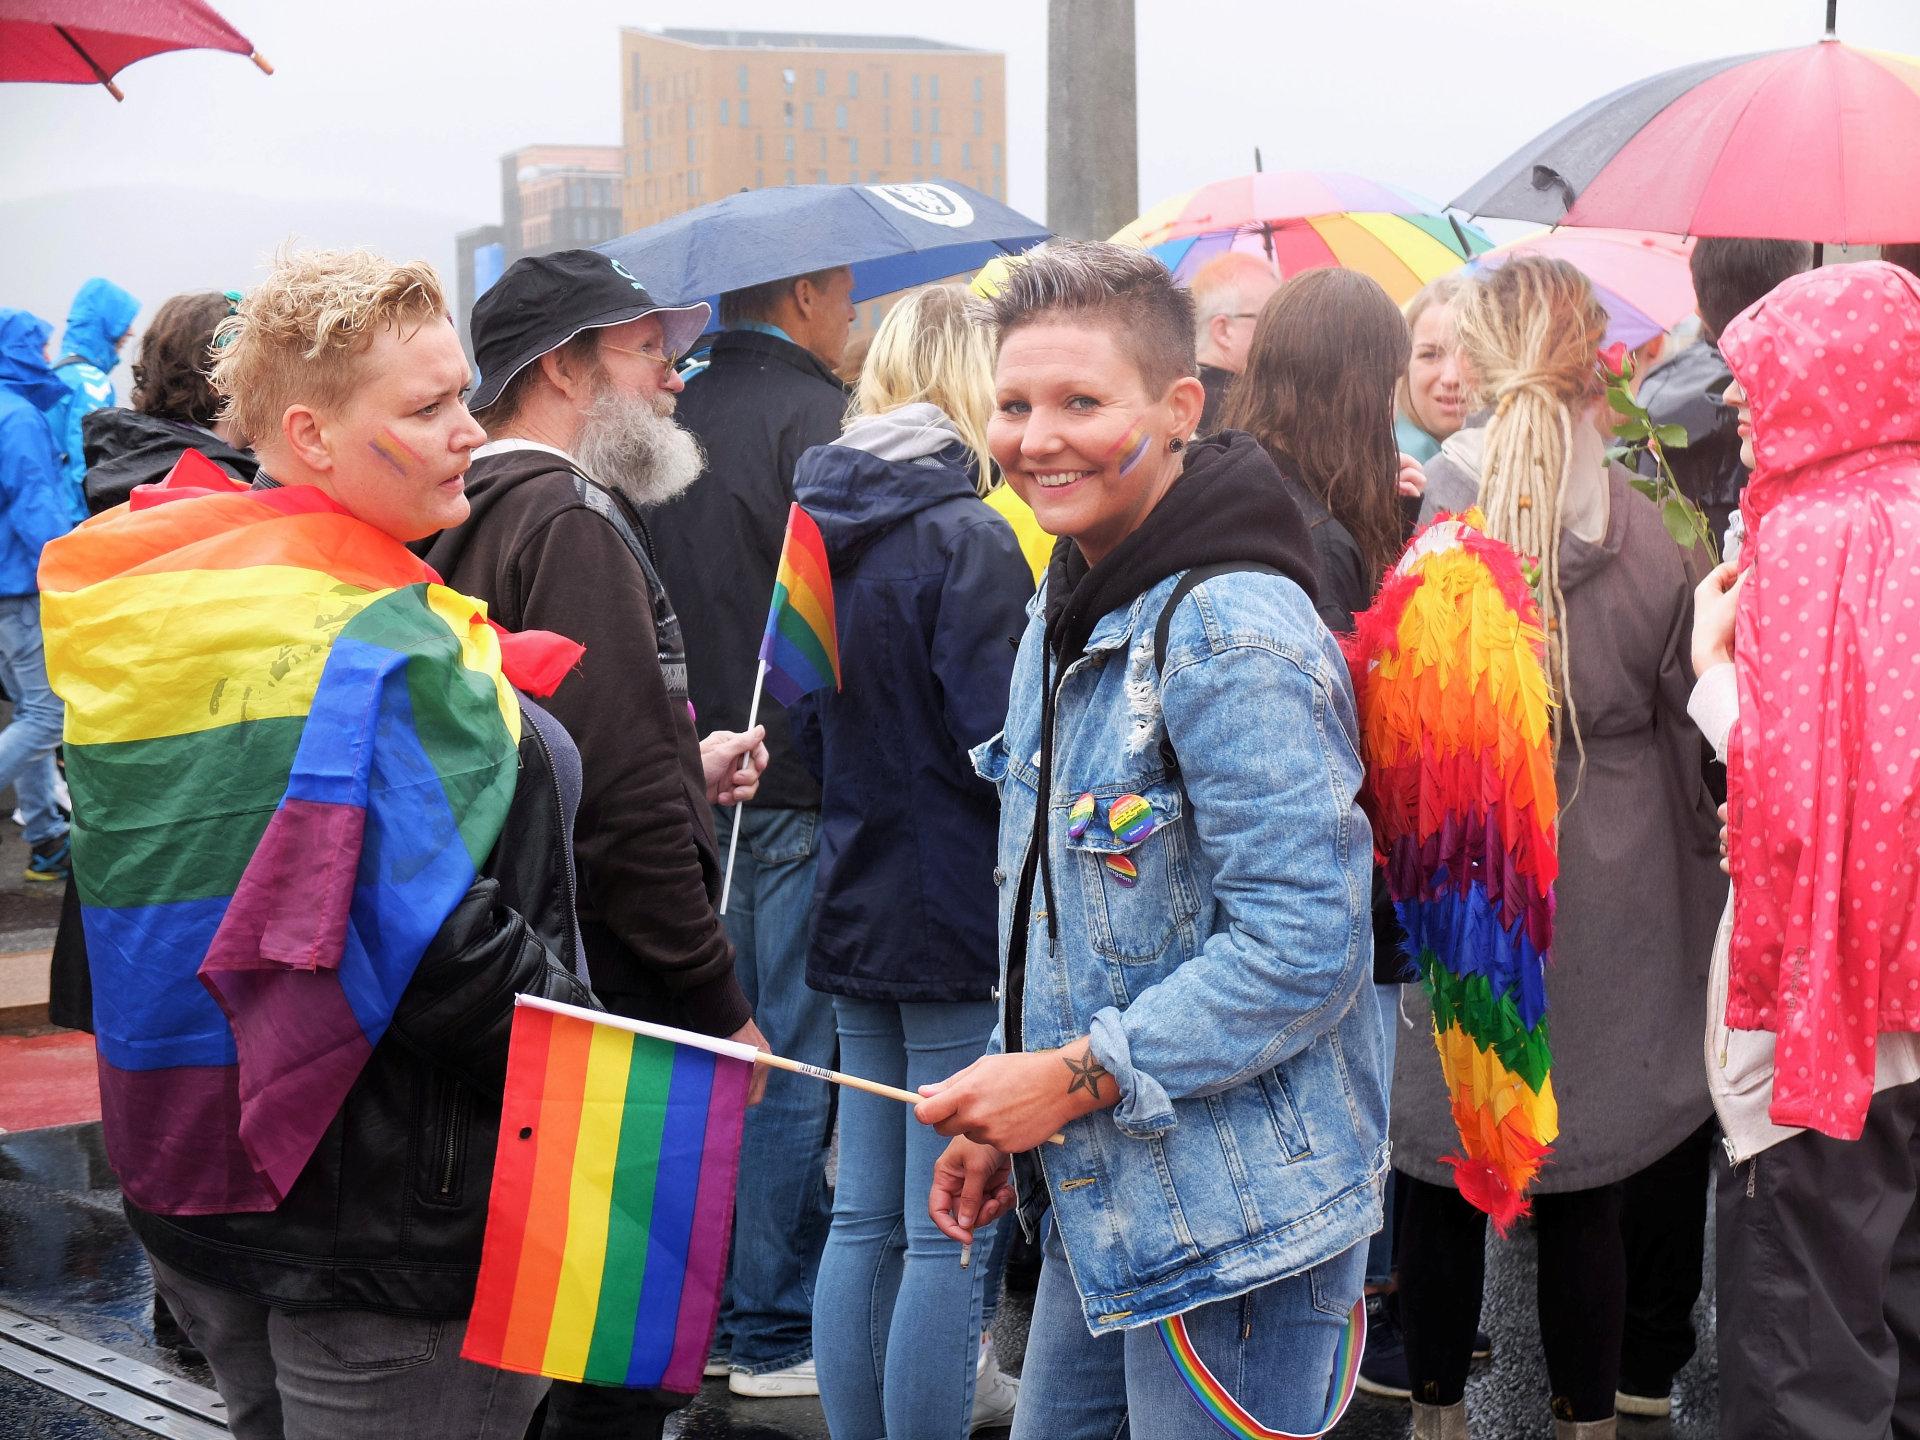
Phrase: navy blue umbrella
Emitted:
{"points": [[894, 236]]}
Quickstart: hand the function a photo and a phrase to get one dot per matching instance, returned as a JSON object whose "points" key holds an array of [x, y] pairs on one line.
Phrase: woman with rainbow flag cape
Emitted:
{"points": [[1622, 884], [321, 841], [1184, 903]]}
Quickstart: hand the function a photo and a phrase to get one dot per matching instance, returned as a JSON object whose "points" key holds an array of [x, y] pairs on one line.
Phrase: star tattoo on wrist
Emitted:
{"points": [[1087, 1074]]}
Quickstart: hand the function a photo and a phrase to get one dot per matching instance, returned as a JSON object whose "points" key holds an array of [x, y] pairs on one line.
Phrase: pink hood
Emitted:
{"points": [[1823, 771]]}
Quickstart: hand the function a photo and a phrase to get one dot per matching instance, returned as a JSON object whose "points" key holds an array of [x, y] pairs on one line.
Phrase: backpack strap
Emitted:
{"points": [[1182, 588]]}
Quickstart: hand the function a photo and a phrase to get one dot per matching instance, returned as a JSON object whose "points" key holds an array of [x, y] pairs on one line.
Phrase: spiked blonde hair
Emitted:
{"points": [[298, 336], [929, 348], [1530, 331]]}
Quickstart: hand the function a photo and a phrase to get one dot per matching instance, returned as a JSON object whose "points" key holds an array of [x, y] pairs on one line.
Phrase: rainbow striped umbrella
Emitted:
{"points": [[1815, 143], [1641, 277], [1309, 220]]}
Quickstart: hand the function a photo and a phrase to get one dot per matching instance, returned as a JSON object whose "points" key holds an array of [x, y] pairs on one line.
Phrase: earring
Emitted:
{"points": [[1175, 446]]}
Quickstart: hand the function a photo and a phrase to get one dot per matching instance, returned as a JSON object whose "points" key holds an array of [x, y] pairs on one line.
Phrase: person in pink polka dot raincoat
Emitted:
{"points": [[1824, 763], [1807, 671]]}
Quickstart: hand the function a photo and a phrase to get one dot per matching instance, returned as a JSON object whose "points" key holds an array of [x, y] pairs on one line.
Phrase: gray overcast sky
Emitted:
{"points": [[385, 120]]}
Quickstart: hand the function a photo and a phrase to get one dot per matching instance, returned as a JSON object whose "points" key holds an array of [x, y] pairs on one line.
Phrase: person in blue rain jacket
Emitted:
{"points": [[97, 326]]}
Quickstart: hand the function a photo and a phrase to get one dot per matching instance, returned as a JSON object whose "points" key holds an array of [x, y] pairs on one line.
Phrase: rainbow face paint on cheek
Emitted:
{"points": [[395, 451], [1132, 448]]}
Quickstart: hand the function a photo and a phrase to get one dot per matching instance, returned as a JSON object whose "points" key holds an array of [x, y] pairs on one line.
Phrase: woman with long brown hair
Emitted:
{"points": [[1327, 351], [1327, 354]]}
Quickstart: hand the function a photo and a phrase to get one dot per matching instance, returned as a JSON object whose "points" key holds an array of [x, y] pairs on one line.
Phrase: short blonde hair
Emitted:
{"points": [[297, 337], [929, 349]]}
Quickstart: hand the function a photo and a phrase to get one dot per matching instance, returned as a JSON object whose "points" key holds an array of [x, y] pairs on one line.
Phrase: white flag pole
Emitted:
{"points": [[733, 843]]}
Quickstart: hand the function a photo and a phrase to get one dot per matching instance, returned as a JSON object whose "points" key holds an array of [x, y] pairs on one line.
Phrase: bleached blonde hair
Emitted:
{"points": [[298, 336], [1531, 332], [930, 349]]}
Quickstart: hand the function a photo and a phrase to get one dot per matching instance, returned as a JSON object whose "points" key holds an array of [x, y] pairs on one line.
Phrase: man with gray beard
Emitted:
{"points": [[576, 391]]}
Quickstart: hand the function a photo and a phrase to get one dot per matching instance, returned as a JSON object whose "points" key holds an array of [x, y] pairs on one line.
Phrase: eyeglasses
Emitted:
{"points": [[660, 358]]}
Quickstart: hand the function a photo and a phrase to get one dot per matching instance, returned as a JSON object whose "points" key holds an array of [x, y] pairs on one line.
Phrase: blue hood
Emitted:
{"points": [[23, 360], [857, 495], [102, 312]]}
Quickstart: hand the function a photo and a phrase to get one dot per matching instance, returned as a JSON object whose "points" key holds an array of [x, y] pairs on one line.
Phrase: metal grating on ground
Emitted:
{"points": [[149, 1399]]}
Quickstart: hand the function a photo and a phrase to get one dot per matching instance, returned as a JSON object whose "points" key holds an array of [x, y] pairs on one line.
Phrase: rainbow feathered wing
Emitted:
{"points": [[1449, 675]]}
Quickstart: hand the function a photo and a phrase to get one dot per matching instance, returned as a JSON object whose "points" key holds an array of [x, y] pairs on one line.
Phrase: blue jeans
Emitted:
{"points": [[27, 744], [1380, 1248], [1272, 1349], [780, 1216], [896, 1321]]}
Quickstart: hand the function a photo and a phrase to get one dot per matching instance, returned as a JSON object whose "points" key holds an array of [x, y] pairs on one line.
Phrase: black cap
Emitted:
{"points": [[543, 301]]}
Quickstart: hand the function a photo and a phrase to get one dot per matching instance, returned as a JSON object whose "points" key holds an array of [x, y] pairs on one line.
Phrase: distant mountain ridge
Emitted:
{"points": [[159, 240]]}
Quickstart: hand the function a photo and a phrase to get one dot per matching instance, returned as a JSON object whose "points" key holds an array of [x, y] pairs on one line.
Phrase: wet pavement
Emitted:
{"points": [[68, 1260]]}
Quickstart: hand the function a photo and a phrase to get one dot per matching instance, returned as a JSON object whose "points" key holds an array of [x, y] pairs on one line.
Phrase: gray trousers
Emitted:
{"points": [[344, 1374], [1818, 1259]]}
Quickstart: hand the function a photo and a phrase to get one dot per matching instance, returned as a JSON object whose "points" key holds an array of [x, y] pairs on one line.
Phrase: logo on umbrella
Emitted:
{"points": [[933, 203]]}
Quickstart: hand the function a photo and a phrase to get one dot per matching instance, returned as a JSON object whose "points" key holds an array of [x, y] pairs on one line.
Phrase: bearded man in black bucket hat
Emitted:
{"points": [[576, 391]]}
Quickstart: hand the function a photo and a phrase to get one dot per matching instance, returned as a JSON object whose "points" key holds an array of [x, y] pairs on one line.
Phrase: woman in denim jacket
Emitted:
{"points": [[1184, 895]]}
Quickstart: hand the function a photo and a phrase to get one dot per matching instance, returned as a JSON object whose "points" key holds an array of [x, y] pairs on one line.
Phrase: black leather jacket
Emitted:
{"points": [[389, 1213]]}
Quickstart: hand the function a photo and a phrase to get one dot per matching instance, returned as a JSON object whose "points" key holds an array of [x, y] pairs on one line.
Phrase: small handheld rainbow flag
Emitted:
{"points": [[800, 647], [612, 1201]]}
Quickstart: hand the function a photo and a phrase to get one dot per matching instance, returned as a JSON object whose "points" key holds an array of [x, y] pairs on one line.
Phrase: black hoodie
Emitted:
{"points": [[125, 448], [1229, 507]]}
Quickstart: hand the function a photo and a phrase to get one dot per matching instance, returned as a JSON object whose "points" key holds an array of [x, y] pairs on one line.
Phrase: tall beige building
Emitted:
{"points": [[708, 112]]}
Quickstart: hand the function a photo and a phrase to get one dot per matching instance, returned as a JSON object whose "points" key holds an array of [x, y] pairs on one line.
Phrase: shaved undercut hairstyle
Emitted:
{"points": [[1126, 292]]}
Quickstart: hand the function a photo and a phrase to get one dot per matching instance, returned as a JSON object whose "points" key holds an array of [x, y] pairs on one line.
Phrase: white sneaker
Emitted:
{"points": [[995, 1393], [776, 1384], [718, 1367]]}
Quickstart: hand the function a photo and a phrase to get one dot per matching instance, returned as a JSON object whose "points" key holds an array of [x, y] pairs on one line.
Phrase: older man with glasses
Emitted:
{"points": [[1228, 292], [577, 389]]}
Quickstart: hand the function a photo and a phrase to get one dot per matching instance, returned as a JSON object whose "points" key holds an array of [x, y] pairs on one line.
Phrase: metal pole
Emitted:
{"points": [[1093, 157]]}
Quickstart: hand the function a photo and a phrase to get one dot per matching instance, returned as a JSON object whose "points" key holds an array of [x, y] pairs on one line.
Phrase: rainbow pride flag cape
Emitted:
{"points": [[1449, 674], [290, 750], [612, 1201], [800, 649]]}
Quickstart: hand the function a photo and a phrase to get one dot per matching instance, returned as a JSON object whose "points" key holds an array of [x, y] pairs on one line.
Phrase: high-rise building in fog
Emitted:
{"points": [[708, 112]]}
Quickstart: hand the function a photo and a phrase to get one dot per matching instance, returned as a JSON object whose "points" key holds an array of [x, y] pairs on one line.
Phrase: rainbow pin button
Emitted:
{"points": [[1131, 819], [1123, 871], [1080, 817]]}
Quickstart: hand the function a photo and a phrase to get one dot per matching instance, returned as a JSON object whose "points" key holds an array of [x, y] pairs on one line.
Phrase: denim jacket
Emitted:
{"points": [[1222, 990]]}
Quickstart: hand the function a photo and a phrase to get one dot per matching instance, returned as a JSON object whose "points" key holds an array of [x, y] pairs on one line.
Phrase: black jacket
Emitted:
{"points": [[1338, 564], [388, 1214], [759, 405], [548, 549], [1685, 392], [125, 448], [930, 592], [1216, 382]]}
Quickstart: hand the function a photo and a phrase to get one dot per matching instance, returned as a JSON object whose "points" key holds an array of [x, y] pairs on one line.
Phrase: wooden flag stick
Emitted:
{"points": [[733, 1048]]}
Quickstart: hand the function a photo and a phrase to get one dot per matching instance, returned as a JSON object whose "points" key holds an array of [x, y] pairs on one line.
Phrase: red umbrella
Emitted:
{"points": [[86, 42], [1816, 143]]}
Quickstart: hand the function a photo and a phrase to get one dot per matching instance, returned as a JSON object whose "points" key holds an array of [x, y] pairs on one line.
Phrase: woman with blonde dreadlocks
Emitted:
{"points": [[1639, 887]]}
